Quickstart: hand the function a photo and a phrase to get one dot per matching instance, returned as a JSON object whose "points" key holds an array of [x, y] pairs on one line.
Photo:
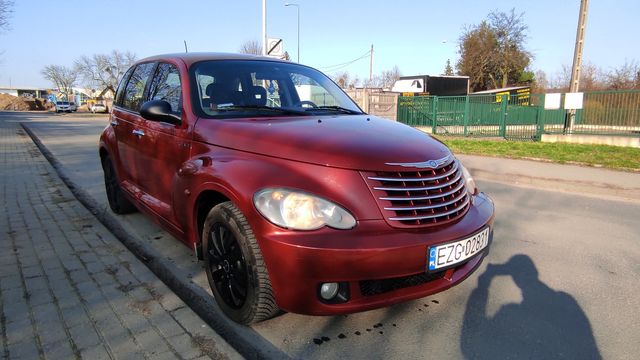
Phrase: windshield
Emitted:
{"points": [[253, 88]]}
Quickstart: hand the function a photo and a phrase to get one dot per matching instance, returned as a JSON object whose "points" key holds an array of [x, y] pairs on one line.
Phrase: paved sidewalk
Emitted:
{"points": [[610, 184], [68, 288]]}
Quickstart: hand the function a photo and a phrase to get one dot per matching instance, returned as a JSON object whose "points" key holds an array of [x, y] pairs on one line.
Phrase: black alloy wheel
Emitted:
{"points": [[227, 265], [118, 203], [235, 267]]}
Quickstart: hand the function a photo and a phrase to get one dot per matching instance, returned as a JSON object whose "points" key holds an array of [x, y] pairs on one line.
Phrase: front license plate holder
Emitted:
{"points": [[444, 256]]}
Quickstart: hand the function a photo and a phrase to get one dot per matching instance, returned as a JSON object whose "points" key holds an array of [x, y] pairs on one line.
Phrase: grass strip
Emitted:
{"points": [[613, 157]]}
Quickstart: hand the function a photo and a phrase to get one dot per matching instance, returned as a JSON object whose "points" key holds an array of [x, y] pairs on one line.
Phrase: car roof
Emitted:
{"points": [[191, 58]]}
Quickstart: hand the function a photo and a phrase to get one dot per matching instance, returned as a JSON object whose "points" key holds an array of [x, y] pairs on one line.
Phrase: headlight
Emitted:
{"points": [[301, 211], [469, 182]]}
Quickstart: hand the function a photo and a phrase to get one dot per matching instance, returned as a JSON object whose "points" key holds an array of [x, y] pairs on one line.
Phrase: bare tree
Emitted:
{"points": [[104, 71], [625, 77], [388, 77], [6, 8], [591, 78], [541, 83], [343, 79], [562, 78], [251, 47], [62, 77]]}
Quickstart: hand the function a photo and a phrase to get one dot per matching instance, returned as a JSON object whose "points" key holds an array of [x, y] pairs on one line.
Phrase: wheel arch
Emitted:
{"points": [[205, 201], [103, 154]]}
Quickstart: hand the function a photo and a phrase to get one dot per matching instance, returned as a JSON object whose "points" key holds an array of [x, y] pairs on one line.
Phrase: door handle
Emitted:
{"points": [[138, 132]]}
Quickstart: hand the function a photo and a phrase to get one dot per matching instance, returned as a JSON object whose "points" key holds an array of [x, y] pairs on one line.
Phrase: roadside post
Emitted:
{"points": [[465, 119], [503, 119], [434, 118]]}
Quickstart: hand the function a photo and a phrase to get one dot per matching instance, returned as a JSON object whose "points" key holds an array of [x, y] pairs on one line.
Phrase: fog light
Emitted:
{"points": [[328, 290]]}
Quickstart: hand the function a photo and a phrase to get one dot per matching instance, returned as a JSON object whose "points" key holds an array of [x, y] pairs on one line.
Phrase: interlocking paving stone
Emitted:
{"points": [[68, 288]]}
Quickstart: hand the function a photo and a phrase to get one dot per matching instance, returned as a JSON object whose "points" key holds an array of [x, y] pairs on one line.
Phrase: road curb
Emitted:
{"points": [[249, 344], [565, 178], [594, 190]]}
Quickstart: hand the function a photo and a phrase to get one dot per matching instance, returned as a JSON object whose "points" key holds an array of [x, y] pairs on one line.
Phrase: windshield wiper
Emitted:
{"points": [[261, 107], [336, 108]]}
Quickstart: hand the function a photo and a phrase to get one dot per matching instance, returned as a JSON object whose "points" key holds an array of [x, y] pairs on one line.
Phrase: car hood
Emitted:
{"points": [[359, 142]]}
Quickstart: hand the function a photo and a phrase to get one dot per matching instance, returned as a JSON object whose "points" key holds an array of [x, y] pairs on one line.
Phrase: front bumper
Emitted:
{"points": [[379, 264]]}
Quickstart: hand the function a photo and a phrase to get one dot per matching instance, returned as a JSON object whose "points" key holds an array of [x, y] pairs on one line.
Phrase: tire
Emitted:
{"points": [[235, 267], [118, 203]]}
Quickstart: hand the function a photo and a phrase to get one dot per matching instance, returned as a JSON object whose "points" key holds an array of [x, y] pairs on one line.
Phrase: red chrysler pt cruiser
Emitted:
{"points": [[293, 197]]}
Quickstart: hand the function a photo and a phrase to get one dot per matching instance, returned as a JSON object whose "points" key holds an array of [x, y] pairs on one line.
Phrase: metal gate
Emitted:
{"points": [[509, 117]]}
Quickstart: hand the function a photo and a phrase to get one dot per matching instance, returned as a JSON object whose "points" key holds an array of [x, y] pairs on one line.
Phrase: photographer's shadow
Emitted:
{"points": [[547, 324]]}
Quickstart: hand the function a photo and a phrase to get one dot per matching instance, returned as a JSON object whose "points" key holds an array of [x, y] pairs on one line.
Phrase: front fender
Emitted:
{"points": [[239, 175]]}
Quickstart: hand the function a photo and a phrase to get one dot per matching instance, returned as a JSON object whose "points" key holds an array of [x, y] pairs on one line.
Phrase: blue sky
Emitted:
{"points": [[417, 36]]}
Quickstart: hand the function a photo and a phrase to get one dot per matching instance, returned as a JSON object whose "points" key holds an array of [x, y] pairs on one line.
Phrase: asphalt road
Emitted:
{"points": [[561, 280]]}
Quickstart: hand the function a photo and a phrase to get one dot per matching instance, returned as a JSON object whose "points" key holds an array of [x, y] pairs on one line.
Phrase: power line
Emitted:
{"points": [[345, 64]]}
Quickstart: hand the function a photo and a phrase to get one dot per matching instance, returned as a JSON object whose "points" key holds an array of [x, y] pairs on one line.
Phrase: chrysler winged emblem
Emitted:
{"points": [[432, 164]]}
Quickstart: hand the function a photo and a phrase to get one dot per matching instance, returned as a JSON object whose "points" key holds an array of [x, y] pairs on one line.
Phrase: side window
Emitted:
{"points": [[309, 90], [121, 85], [134, 91], [166, 86]]}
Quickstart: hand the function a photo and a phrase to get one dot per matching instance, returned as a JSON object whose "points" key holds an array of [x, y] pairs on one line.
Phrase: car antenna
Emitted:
{"points": [[185, 46]]}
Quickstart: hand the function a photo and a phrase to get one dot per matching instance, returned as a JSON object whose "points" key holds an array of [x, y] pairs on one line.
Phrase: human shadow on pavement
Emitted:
{"points": [[547, 324]]}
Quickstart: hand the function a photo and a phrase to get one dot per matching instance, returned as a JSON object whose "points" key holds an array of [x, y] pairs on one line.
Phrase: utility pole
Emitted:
{"points": [[576, 69], [577, 54], [298, 13], [264, 27], [371, 66]]}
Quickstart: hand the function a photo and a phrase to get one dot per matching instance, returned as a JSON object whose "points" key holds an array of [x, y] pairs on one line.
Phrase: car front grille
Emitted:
{"points": [[426, 197], [376, 287]]}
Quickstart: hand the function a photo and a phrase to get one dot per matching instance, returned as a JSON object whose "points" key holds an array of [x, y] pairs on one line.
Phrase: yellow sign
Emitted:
{"points": [[500, 95]]}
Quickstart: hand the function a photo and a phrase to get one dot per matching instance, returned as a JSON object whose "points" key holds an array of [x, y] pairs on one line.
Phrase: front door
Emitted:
{"points": [[166, 146], [126, 121]]}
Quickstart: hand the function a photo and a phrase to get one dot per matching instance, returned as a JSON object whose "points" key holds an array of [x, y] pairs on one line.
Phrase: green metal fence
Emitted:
{"points": [[522, 118]]}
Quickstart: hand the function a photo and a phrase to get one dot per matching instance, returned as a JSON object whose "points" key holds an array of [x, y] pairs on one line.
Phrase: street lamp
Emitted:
{"points": [[298, 12]]}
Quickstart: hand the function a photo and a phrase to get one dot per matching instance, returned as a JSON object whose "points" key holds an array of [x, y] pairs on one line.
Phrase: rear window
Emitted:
{"points": [[121, 85]]}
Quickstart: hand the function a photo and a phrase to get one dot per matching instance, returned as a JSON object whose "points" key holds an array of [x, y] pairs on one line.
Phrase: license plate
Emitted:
{"points": [[456, 252]]}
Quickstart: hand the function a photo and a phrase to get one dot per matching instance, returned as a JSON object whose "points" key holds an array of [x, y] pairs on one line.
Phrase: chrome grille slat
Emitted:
{"points": [[428, 197], [415, 198], [435, 187], [442, 176], [406, 218], [427, 207]]}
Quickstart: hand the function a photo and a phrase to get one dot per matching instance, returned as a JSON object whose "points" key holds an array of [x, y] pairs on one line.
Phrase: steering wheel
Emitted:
{"points": [[310, 104]]}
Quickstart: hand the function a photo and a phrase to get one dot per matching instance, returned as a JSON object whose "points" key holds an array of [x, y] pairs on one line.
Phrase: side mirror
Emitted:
{"points": [[159, 110]]}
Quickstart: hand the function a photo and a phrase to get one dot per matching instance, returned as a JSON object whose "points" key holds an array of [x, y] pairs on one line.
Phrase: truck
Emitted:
{"points": [[436, 85]]}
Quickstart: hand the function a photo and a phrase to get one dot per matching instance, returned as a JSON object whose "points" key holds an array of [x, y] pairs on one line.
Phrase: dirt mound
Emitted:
{"points": [[10, 102]]}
